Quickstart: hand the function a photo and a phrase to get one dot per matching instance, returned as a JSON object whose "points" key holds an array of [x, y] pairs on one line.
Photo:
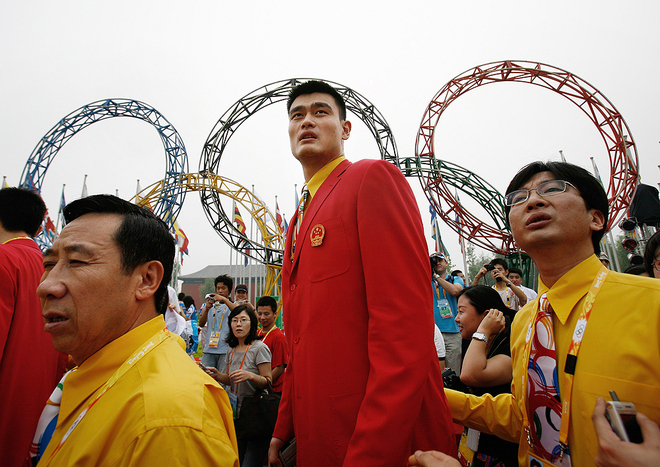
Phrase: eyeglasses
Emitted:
{"points": [[549, 188], [242, 321]]}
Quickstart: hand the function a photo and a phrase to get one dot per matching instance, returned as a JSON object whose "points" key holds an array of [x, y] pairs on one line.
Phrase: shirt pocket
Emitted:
{"points": [[589, 387]]}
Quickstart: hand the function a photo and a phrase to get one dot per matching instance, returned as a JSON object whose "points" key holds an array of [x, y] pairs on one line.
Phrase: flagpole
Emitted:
{"points": [[609, 247], [249, 258], [231, 249], [461, 240], [59, 212]]}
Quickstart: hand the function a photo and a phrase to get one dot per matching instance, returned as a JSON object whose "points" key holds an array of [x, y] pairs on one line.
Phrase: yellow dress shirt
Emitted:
{"points": [[620, 352], [163, 411], [319, 177]]}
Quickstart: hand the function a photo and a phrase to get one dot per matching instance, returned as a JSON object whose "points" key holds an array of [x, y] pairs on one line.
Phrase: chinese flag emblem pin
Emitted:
{"points": [[316, 237]]}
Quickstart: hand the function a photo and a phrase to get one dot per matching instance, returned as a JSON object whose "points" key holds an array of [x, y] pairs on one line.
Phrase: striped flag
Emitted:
{"points": [[439, 245], [240, 225]]}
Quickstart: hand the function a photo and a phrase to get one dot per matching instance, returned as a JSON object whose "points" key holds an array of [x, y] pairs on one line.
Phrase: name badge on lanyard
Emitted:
{"points": [[443, 307]]}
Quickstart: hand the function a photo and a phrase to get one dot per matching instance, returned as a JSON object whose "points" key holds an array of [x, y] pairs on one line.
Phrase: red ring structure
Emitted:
{"points": [[607, 119]]}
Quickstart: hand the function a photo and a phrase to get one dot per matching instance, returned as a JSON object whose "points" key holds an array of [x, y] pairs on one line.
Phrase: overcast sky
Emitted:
{"points": [[193, 60]]}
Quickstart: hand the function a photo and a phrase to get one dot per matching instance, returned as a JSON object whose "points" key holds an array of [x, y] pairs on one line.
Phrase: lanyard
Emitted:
{"points": [[271, 330], [143, 350], [437, 290], [571, 359], [231, 358], [16, 238], [221, 320]]}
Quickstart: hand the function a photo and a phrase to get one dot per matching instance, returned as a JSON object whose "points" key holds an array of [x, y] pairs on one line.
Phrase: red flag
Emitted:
{"points": [[50, 227], [280, 219]]}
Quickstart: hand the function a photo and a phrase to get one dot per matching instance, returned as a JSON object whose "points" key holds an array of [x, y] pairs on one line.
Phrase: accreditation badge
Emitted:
{"points": [[214, 339], [443, 307]]}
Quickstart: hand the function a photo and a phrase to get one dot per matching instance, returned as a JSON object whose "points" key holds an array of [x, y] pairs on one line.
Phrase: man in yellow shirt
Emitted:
{"points": [[558, 213], [135, 397]]}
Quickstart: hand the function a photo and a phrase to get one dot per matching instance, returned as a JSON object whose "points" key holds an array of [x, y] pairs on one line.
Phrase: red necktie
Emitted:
{"points": [[543, 401], [302, 205]]}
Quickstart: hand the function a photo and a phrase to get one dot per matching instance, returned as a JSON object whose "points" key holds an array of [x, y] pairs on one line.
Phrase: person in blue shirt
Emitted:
{"points": [[445, 288]]}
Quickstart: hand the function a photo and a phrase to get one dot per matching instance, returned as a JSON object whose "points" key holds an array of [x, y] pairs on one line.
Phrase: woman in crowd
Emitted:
{"points": [[190, 311], [247, 368], [484, 321], [652, 256]]}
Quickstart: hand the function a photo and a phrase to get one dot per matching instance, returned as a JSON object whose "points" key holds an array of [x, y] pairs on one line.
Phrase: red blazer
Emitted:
{"points": [[363, 384]]}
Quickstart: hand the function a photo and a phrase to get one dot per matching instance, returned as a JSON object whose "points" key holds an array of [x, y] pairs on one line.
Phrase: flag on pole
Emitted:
{"points": [[240, 225], [280, 220], [439, 245], [51, 232], [181, 238], [62, 201]]}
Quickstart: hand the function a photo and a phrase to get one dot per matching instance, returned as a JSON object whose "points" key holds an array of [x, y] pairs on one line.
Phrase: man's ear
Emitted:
{"points": [[149, 276], [346, 129], [597, 220]]}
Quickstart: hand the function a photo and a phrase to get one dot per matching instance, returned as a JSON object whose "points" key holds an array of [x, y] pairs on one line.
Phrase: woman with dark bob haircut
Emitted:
{"points": [[484, 321], [651, 254], [247, 368]]}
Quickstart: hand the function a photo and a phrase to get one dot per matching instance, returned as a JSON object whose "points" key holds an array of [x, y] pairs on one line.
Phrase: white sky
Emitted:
{"points": [[192, 60]]}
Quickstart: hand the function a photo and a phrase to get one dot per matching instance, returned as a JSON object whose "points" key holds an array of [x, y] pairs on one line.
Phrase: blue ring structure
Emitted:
{"points": [[243, 109], [173, 193]]}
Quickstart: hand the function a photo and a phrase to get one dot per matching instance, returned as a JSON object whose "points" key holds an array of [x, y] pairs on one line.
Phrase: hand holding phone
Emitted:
{"points": [[623, 419]]}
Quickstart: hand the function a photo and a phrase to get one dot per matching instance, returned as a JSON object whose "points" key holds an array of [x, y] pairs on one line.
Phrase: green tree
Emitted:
{"points": [[475, 263], [207, 288]]}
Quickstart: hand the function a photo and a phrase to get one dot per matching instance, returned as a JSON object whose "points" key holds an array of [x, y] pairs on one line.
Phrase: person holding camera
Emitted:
{"points": [[215, 312], [484, 322], [512, 295], [445, 289]]}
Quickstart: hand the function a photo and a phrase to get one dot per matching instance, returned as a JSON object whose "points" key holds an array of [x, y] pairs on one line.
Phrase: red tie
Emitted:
{"points": [[302, 205], [543, 401]]}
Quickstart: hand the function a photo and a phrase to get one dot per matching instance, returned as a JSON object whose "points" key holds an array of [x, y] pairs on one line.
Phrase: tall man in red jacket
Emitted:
{"points": [[29, 365], [365, 388]]}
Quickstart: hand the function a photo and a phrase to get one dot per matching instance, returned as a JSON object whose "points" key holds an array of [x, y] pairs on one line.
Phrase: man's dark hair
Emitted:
{"points": [[590, 189], [501, 262], [267, 301], [225, 279], [456, 272], [231, 339], [21, 210], [649, 252], [515, 270], [312, 86], [141, 237], [180, 296]]}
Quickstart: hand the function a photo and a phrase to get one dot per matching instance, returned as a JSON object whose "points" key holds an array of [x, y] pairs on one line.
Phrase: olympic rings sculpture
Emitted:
{"points": [[436, 174], [244, 108], [172, 195]]}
